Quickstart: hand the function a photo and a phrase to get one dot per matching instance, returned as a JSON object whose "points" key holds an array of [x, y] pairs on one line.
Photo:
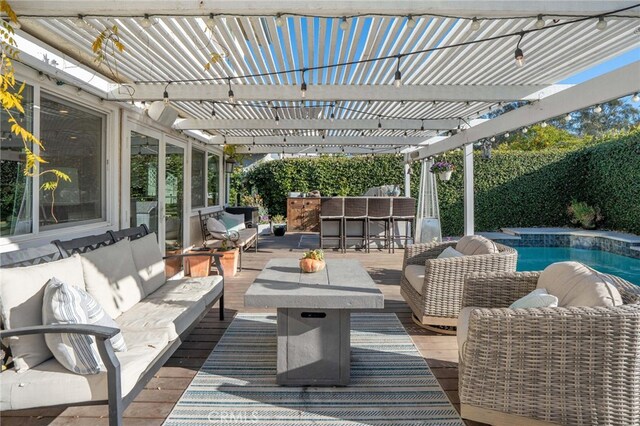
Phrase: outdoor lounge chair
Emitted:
{"points": [[433, 286], [573, 365]]}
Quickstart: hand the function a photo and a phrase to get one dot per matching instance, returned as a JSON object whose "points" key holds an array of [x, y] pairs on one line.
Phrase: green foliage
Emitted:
{"points": [[541, 138], [514, 188], [316, 254], [583, 214]]}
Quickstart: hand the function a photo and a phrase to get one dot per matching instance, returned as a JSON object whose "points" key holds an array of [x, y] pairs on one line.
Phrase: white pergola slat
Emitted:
{"points": [[321, 124]]}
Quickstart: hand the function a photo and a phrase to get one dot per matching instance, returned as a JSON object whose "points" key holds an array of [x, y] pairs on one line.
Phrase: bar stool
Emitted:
{"points": [[331, 210], [403, 210], [379, 211], [355, 210]]}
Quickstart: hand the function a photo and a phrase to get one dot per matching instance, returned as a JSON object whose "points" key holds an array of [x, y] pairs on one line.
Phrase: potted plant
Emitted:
{"points": [[229, 258], [312, 261], [443, 169], [278, 225], [584, 215]]}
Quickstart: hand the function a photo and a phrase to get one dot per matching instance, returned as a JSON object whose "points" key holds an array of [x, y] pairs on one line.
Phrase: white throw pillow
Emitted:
{"points": [[21, 293], [216, 228], [476, 244], [149, 263], [575, 284], [449, 252], [65, 304], [233, 222], [538, 298], [111, 277]]}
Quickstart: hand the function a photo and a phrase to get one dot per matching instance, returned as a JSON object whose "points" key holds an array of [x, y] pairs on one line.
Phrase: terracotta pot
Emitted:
{"points": [[173, 265], [311, 265], [199, 266], [229, 262]]}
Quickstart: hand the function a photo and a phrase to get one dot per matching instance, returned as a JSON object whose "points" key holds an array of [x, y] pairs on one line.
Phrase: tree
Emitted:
{"points": [[539, 138], [615, 115]]}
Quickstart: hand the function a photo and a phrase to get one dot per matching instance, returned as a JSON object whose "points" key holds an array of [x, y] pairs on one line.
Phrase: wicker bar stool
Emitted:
{"points": [[331, 210], [355, 210], [379, 211], [403, 210]]}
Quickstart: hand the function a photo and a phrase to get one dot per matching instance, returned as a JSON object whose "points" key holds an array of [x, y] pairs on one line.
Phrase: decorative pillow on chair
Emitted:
{"points": [[476, 244], [216, 228], [538, 298], [449, 252], [148, 260], [233, 222], [66, 304]]}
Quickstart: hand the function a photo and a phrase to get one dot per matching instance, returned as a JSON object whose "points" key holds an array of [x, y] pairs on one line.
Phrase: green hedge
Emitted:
{"points": [[514, 188]]}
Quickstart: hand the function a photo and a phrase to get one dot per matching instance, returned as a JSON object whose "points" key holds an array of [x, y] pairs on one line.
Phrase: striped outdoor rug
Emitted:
{"points": [[391, 383]]}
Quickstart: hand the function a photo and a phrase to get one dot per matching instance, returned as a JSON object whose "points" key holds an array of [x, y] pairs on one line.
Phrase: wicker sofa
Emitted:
{"points": [[537, 366], [154, 318], [438, 298]]}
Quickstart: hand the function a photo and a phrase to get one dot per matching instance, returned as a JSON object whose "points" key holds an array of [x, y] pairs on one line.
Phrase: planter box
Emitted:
{"points": [[173, 266], [199, 266], [229, 262]]}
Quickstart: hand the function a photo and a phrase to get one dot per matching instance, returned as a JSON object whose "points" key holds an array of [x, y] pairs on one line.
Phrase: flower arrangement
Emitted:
{"points": [[312, 261], [441, 167], [316, 254]]}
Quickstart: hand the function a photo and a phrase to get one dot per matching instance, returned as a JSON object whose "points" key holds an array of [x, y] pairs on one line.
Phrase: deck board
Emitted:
{"points": [[156, 401]]}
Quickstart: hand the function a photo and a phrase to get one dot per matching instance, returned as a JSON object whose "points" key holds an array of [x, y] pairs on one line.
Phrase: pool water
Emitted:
{"points": [[538, 258]]}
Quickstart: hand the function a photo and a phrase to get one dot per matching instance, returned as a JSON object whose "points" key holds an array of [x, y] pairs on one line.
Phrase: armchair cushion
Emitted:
{"points": [[575, 284], [538, 298], [65, 304], [449, 252], [415, 275], [148, 260], [476, 244], [111, 277], [21, 294]]}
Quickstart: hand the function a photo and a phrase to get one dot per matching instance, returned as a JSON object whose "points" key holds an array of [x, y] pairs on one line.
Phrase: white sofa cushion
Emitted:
{"points": [[51, 384], [538, 298], [415, 275], [575, 284], [476, 244], [148, 260], [449, 252], [21, 293], [216, 228], [174, 306], [66, 304], [111, 277]]}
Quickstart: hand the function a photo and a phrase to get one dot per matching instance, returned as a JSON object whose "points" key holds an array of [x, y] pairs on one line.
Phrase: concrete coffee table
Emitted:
{"points": [[314, 345]]}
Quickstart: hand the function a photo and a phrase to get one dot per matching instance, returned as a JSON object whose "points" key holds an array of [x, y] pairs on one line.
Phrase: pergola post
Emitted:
{"points": [[407, 179], [468, 190]]}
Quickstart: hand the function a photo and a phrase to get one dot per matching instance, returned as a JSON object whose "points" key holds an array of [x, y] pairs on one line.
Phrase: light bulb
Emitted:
{"points": [[525, 130], [540, 22], [635, 97], [597, 109], [231, 96], [506, 135], [411, 23], [333, 117], [602, 24], [279, 20], [398, 79], [543, 124], [211, 23], [567, 117], [303, 89], [41, 76], [80, 22], [475, 24], [405, 134], [165, 97], [379, 123], [146, 22], [493, 139], [519, 55], [344, 24], [277, 120]]}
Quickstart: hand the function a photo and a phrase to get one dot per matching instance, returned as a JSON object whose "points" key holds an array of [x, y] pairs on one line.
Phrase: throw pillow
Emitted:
{"points": [[233, 222], [216, 228], [65, 304], [111, 277], [538, 298], [476, 244], [449, 252], [149, 263]]}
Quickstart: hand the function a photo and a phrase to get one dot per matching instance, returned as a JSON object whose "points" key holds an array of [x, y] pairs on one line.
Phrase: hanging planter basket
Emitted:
{"points": [[445, 176]]}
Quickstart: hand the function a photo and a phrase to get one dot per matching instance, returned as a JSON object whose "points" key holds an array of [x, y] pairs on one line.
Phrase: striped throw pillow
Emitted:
{"points": [[66, 304]]}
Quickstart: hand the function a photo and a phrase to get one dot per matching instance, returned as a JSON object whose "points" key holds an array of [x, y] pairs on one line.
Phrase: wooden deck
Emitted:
{"points": [[156, 401]]}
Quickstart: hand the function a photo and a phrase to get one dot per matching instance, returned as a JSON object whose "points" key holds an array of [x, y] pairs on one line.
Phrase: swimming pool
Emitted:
{"points": [[538, 258]]}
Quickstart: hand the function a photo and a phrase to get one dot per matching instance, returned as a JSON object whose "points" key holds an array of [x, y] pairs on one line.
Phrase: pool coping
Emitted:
{"points": [[609, 241]]}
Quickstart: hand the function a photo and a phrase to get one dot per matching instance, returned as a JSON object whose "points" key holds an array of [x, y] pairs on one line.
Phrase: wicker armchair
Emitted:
{"points": [[571, 365], [439, 302]]}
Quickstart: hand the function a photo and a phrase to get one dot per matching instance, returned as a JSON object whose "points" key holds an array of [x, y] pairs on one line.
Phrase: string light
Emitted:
{"points": [[379, 123], [411, 23], [475, 24], [597, 109], [232, 97], [405, 134], [543, 124], [362, 134], [422, 125], [506, 135], [635, 97], [165, 95], [211, 23], [146, 22], [344, 24], [525, 130], [398, 76], [277, 118], [519, 55], [81, 23], [333, 116], [303, 86], [284, 139], [540, 22], [567, 117], [601, 24], [213, 110], [279, 20]]}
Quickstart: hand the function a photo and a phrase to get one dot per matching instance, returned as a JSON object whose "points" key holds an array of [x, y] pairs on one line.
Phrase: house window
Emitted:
{"points": [[213, 164], [16, 199], [74, 140], [198, 167]]}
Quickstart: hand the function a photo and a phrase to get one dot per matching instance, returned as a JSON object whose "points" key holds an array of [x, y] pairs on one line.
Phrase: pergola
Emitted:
{"points": [[452, 60]]}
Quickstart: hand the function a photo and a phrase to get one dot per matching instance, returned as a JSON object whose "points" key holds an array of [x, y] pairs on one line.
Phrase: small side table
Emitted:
{"points": [[199, 266]]}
